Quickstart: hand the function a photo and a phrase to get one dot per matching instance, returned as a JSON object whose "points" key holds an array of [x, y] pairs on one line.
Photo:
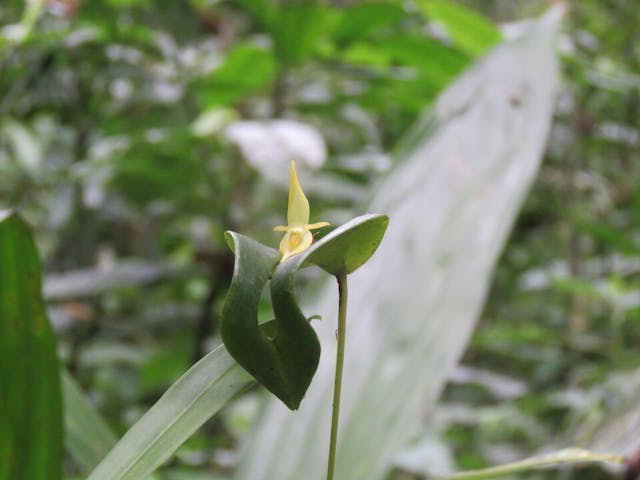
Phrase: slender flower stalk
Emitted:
{"points": [[337, 386]]}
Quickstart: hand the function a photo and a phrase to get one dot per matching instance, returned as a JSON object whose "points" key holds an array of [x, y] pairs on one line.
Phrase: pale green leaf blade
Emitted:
{"points": [[567, 456], [190, 402], [452, 202], [88, 438], [615, 427]]}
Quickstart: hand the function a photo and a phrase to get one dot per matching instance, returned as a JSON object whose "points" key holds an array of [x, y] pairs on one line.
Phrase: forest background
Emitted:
{"points": [[133, 133]]}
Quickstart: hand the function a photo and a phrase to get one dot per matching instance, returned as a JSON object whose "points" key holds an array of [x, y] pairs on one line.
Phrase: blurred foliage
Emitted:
{"points": [[562, 315], [114, 144]]}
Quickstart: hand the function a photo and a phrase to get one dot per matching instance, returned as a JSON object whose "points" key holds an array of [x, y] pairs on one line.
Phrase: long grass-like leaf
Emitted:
{"points": [[87, 436], [30, 400], [567, 456], [190, 402]]}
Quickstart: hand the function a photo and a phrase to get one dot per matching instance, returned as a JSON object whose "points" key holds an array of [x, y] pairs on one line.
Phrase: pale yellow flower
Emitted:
{"points": [[298, 235]]}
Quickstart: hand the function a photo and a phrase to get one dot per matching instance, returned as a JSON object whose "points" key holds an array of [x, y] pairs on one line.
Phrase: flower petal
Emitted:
{"points": [[313, 226], [298, 210]]}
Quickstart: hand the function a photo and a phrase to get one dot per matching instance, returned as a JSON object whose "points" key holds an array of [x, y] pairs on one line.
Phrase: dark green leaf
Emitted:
{"points": [[283, 355], [295, 31], [30, 403], [245, 341], [362, 19]]}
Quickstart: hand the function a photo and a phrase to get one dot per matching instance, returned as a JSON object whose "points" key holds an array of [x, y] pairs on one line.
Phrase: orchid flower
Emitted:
{"points": [[298, 235]]}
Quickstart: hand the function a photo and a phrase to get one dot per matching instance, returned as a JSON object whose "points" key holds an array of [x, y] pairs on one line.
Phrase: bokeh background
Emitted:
{"points": [[500, 136]]}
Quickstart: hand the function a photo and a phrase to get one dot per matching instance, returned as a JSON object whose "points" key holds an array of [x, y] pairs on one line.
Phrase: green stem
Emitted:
{"points": [[337, 386]]}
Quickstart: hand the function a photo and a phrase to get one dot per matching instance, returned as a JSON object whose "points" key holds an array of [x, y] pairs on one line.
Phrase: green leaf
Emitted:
{"points": [[30, 403], [295, 30], [247, 69], [244, 339], [342, 251], [470, 31], [426, 78], [191, 401], [360, 20], [577, 286], [609, 236], [349, 246], [87, 436], [262, 11], [292, 337], [569, 456], [283, 355], [406, 70], [411, 50]]}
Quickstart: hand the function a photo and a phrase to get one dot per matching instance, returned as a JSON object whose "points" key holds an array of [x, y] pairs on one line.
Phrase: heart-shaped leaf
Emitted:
{"points": [[349, 246]]}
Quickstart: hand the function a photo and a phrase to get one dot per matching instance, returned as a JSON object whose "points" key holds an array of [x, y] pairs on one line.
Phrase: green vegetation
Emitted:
{"points": [[497, 323]]}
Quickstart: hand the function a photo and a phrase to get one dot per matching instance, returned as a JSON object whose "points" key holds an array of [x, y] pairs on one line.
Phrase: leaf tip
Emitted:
{"points": [[229, 238]]}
